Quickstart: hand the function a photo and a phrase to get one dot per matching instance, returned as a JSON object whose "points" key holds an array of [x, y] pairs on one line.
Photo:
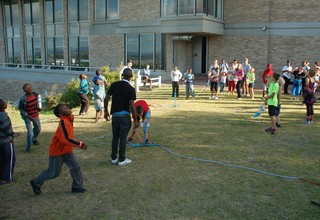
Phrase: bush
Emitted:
{"points": [[113, 76]]}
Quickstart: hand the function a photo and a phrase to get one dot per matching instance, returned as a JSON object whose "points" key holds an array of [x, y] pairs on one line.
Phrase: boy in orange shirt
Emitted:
{"points": [[61, 151]]}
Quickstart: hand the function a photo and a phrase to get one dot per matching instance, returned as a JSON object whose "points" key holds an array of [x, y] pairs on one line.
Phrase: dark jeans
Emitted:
{"points": [[239, 86], [175, 89], [309, 109], [286, 85], [54, 170], [7, 161], [121, 125], [84, 103]]}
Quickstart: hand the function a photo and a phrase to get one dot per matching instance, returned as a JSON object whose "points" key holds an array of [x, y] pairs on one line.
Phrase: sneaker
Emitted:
{"points": [[114, 161], [273, 131], [268, 129], [80, 190], [35, 188], [215, 98], [278, 125], [35, 142], [125, 162]]}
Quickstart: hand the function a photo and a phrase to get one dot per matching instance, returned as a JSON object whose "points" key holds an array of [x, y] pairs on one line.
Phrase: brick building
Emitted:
{"points": [[189, 33]]}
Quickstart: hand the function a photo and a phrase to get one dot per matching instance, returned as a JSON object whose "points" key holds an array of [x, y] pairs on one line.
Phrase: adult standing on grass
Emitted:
{"points": [[61, 151], [7, 154], [246, 68], [213, 76], [129, 65], [176, 75], [29, 111], [123, 96], [309, 97], [83, 94], [287, 71], [272, 101]]}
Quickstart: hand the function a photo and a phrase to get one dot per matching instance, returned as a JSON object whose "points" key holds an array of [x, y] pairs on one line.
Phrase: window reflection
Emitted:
{"points": [[106, 9], [145, 49]]}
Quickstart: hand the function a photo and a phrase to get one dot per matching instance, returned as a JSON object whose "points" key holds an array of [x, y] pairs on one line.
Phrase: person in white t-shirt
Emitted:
{"points": [[287, 72]]}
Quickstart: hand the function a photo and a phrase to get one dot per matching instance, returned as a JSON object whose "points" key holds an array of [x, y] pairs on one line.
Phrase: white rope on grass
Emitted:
{"points": [[231, 165]]}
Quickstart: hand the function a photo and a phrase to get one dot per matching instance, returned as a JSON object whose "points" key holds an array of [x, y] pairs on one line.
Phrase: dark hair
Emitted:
{"points": [[139, 110], [98, 72], [311, 73], [25, 85], [127, 73], [2, 103], [276, 76], [57, 110]]}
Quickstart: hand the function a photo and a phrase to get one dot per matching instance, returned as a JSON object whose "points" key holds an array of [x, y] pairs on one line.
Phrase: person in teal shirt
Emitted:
{"points": [[272, 101], [83, 92]]}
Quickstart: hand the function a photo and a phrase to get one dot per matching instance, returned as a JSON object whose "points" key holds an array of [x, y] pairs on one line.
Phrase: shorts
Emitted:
{"points": [[272, 110], [214, 85], [251, 85], [148, 114], [277, 112], [98, 105]]}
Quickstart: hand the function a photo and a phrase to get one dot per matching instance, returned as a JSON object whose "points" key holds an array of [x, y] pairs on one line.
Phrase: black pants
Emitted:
{"points": [[309, 109], [175, 89], [84, 103], [238, 87], [286, 85]]}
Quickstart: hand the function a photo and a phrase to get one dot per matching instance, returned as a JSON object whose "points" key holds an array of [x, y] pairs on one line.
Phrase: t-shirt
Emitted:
{"points": [[31, 107], [122, 92], [273, 88], [144, 106]]}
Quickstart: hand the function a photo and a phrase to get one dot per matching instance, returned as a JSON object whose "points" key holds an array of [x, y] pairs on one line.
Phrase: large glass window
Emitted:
{"points": [[190, 7], [54, 32], [78, 33], [106, 10], [12, 37], [145, 49], [32, 31]]}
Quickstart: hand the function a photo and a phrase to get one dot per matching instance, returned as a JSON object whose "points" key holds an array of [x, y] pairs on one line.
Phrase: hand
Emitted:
{"points": [[30, 118], [84, 146], [106, 115], [16, 134]]}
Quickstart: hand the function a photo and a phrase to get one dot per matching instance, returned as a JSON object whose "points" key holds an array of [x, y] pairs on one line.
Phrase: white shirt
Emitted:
{"points": [[176, 75], [287, 74]]}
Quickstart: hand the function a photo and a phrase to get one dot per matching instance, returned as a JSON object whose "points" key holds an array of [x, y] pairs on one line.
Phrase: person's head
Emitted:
{"points": [[127, 73], [269, 66], [215, 63], [27, 88], [223, 61], [246, 60], [288, 63], [276, 77], [130, 63], [3, 105], [148, 66], [98, 72], [175, 67], [252, 70], [62, 110], [311, 73], [139, 110], [82, 76], [190, 70]]}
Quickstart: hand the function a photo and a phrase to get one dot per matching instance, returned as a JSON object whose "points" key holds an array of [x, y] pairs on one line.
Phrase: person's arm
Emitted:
{"points": [[133, 114], [64, 137], [106, 103]]}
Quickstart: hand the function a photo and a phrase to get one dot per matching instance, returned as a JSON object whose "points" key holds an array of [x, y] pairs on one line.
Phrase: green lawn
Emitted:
{"points": [[186, 185]]}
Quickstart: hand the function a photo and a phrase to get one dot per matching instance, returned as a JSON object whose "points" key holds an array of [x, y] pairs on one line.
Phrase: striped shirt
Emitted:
{"points": [[5, 128], [31, 107]]}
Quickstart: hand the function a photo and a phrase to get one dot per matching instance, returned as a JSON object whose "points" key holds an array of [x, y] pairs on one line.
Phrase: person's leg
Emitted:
{"points": [[192, 90], [239, 89], [75, 171], [173, 89], [82, 101], [177, 89], [115, 137], [7, 161], [36, 128], [187, 90], [125, 125], [29, 134], [53, 171], [86, 104]]}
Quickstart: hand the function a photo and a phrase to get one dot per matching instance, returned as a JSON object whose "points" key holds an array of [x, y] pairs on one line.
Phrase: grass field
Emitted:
{"points": [[186, 184]]}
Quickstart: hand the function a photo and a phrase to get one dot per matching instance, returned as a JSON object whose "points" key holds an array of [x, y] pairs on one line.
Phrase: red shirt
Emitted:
{"points": [[145, 107], [31, 107]]}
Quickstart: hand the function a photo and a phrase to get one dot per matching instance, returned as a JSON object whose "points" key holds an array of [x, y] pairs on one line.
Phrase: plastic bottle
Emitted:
{"points": [[39, 104]]}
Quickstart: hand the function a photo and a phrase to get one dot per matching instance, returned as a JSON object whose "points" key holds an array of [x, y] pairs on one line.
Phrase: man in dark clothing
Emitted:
{"points": [[123, 96]]}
